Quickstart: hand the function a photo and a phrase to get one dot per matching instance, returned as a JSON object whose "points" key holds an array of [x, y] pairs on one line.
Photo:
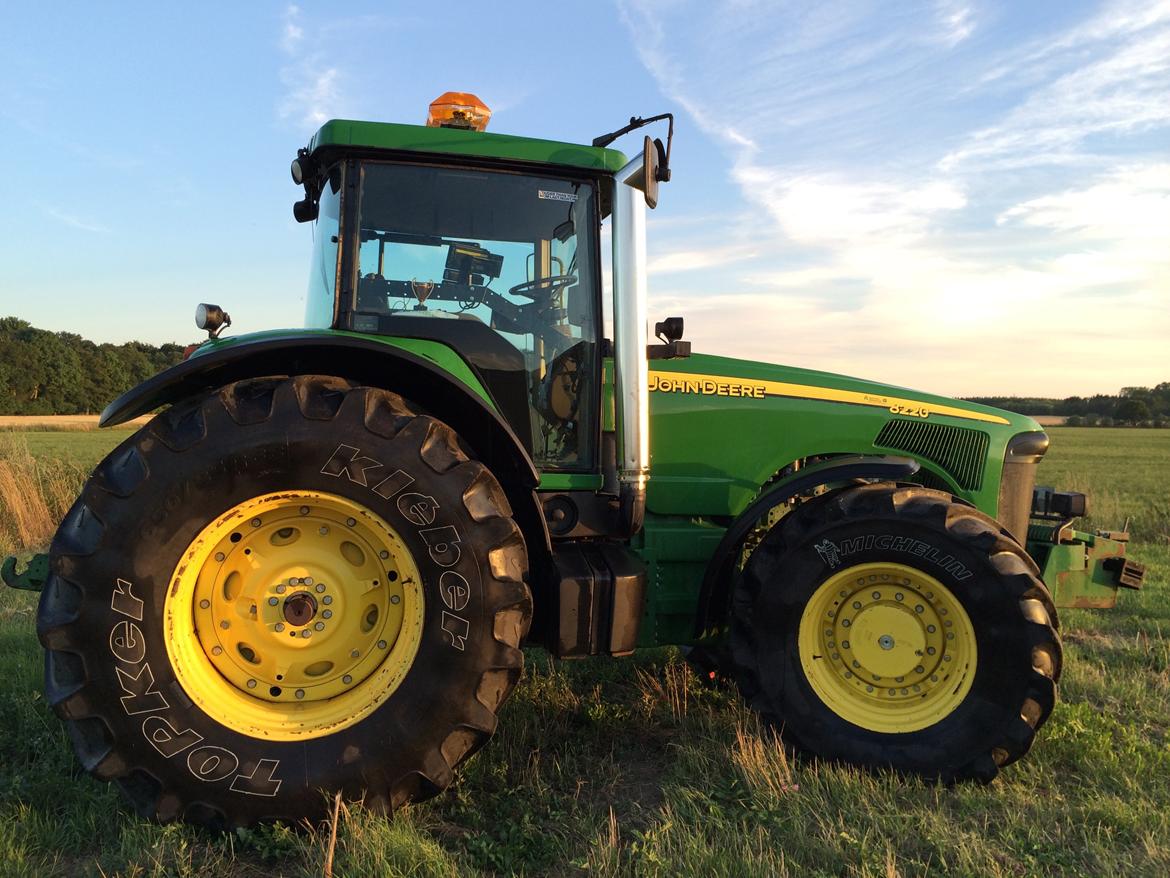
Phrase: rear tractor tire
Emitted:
{"points": [[897, 627], [289, 588]]}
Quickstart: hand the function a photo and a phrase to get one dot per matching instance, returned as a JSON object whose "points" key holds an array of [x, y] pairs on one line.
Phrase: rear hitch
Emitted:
{"points": [[33, 577]]}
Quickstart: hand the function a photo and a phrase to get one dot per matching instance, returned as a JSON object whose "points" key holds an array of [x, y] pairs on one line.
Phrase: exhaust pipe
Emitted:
{"points": [[629, 316]]}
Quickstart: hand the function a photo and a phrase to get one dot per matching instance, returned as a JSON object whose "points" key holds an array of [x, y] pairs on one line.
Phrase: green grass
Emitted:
{"points": [[631, 767]]}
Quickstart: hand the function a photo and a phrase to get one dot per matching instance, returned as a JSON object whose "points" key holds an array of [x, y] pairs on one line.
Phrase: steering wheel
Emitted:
{"points": [[543, 287]]}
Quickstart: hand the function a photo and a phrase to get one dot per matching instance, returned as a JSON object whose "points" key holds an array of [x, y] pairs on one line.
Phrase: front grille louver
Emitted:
{"points": [[959, 451]]}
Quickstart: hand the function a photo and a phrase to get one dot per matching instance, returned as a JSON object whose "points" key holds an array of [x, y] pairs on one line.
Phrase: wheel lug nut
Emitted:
{"points": [[347, 679], [272, 602], [328, 599], [353, 653], [280, 589], [251, 684], [395, 599], [383, 554], [320, 587], [204, 604], [323, 530], [225, 624], [328, 614], [304, 510], [300, 693], [381, 644], [899, 596], [351, 522], [255, 522], [308, 580], [217, 650], [320, 626], [306, 633], [279, 626]]}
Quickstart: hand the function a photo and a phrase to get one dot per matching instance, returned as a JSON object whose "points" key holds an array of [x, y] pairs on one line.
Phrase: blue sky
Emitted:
{"points": [[968, 197]]}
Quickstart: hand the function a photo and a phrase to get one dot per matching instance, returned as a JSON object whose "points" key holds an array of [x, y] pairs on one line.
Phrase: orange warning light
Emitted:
{"points": [[458, 109]]}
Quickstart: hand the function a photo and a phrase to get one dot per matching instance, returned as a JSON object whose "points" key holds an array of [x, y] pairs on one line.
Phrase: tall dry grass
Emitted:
{"points": [[34, 495]]}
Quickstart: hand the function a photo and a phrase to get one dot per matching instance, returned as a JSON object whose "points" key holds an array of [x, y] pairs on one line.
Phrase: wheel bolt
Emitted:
{"points": [[204, 604], [251, 684], [272, 602], [877, 595], [869, 688], [323, 530], [308, 580], [328, 599], [320, 626], [383, 554], [217, 650], [320, 587], [328, 614], [255, 522], [353, 653], [280, 589], [898, 596], [381, 644], [219, 556], [846, 623], [919, 608], [857, 605], [395, 599], [919, 669], [351, 521], [279, 626], [347, 679], [300, 693], [225, 624], [844, 644], [304, 510], [306, 633]]}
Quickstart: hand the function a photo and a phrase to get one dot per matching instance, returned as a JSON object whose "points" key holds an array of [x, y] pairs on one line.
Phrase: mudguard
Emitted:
{"points": [[716, 590], [366, 361]]}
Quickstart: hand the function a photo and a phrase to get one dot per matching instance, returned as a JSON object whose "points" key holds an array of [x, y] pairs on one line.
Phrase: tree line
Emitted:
{"points": [[61, 373], [1133, 406]]}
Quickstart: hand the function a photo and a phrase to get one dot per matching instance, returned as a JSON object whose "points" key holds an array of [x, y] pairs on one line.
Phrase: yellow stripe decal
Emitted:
{"points": [[752, 388]]}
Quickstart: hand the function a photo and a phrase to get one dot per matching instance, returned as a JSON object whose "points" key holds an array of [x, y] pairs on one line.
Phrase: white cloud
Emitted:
{"points": [[314, 100], [973, 266], [293, 34], [75, 222]]}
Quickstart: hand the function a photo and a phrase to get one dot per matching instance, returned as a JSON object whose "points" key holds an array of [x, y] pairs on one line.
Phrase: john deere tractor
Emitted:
{"points": [[313, 570]]}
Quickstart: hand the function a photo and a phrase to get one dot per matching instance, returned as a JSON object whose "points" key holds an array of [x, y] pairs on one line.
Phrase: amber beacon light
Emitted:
{"points": [[458, 109]]}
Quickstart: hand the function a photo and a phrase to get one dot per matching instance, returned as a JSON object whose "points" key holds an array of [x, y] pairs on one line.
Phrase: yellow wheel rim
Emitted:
{"points": [[887, 647], [293, 615]]}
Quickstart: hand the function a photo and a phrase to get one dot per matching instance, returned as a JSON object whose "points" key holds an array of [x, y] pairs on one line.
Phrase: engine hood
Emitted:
{"points": [[725, 377]]}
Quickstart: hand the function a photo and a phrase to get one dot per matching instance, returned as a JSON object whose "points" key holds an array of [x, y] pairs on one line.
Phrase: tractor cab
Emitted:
{"points": [[502, 267], [491, 245]]}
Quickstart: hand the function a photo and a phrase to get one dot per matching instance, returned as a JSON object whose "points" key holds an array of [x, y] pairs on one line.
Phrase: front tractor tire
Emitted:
{"points": [[289, 588], [897, 627]]}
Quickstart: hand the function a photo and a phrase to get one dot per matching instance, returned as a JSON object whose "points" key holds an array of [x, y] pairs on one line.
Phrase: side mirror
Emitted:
{"points": [[650, 168]]}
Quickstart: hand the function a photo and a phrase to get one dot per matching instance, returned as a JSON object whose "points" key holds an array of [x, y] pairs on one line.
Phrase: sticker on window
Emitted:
{"points": [[550, 195]]}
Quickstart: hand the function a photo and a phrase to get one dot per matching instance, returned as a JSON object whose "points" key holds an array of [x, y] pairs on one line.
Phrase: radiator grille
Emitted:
{"points": [[959, 451]]}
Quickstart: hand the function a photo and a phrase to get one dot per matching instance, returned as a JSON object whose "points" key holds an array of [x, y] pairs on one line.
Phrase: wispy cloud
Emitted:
{"points": [[74, 221], [912, 189], [313, 88]]}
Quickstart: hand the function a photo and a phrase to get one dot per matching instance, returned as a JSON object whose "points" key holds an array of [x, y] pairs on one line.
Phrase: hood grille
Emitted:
{"points": [[959, 451]]}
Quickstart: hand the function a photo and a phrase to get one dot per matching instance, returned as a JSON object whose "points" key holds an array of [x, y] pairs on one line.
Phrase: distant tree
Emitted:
{"points": [[1131, 410]]}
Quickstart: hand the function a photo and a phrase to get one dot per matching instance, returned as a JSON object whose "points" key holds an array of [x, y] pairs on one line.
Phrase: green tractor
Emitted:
{"points": [[314, 570]]}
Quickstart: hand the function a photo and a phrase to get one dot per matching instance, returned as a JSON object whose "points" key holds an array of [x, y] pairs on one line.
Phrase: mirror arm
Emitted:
{"points": [[638, 122]]}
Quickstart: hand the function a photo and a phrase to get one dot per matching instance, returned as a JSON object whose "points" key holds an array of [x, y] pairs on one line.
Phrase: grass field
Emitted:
{"points": [[631, 767]]}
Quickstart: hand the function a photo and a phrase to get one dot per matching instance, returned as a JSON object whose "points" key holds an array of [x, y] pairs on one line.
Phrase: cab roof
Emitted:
{"points": [[338, 133]]}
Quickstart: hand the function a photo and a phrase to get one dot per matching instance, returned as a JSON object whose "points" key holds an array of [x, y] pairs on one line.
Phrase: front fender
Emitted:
{"points": [[715, 593]]}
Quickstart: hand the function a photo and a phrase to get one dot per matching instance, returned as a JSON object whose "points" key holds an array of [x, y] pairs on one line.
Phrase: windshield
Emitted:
{"points": [[501, 266]]}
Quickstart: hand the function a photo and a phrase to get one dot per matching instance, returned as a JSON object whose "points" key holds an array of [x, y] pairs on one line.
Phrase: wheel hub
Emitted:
{"points": [[304, 611], [887, 647]]}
